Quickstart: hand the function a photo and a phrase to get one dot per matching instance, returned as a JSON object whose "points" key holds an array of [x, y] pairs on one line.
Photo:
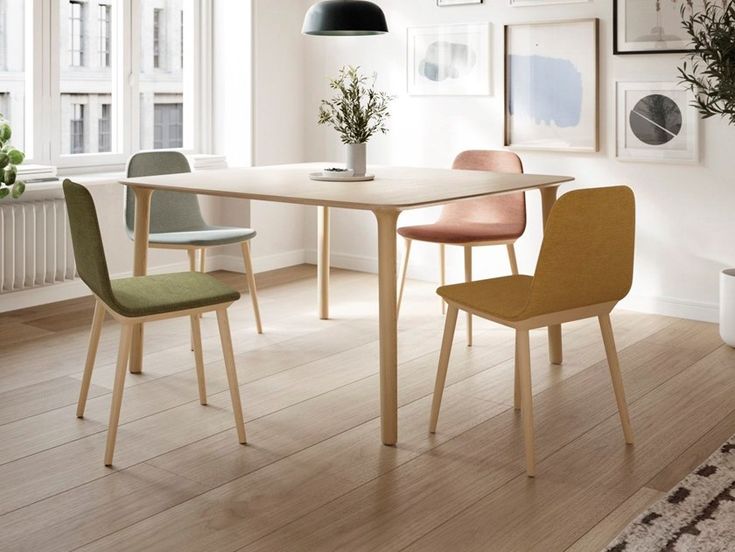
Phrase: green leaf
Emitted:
{"points": [[18, 188], [16, 156], [4, 192]]}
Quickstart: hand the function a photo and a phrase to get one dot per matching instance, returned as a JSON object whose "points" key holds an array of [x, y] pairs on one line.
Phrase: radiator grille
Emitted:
{"points": [[35, 245]]}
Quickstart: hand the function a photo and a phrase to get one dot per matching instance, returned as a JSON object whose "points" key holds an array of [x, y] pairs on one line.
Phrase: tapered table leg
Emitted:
{"points": [[556, 356], [322, 267], [140, 266], [387, 219]]}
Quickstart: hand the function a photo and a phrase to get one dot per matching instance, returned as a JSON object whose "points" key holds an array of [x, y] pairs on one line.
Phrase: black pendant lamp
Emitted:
{"points": [[345, 18]]}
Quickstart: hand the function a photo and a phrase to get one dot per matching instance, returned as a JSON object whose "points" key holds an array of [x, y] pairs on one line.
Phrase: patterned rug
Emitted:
{"points": [[698, 515]]}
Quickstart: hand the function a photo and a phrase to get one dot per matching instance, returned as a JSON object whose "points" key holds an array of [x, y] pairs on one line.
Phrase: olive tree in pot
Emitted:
{"points": [[709, 71], [10, 158], [357, 112]]}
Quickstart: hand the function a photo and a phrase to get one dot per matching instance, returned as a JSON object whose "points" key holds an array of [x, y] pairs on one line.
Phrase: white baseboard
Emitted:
{"points": [[667, 306], [76, 288]]}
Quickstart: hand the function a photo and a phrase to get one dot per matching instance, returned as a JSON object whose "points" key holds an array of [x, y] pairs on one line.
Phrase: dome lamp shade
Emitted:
{"points": [[345, 18]]}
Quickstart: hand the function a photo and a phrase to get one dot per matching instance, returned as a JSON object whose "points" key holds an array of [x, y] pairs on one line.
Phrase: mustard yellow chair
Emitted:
{"points": [[584, 268]]}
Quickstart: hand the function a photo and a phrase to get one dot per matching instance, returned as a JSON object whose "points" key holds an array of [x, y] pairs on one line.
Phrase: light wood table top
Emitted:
{"points": [[393, 187]]}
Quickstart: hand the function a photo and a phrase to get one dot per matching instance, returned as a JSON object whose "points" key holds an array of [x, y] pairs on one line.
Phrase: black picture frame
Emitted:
{"points": [[618, 52], [464, 3]]}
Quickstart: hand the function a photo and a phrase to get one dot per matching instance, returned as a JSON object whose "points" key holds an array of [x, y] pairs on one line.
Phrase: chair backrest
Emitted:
{"points": [[505, 209], [586, 257], [170, 211], [87, 241]]}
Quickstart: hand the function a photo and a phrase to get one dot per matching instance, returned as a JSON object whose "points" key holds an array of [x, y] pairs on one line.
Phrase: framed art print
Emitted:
{"points": [[650, 26], [519, 3], [449, 60], [442, 3], [656, 122], [551, 86]]}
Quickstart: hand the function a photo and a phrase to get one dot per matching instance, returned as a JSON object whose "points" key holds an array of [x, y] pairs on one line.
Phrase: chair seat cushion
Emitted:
{"points": [[166, 293], [211, 235], [504, 298], [462, 232]]}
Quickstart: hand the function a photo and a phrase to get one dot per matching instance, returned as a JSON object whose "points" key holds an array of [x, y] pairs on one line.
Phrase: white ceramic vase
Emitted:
{"points": [[727, 306], [357, 158]]}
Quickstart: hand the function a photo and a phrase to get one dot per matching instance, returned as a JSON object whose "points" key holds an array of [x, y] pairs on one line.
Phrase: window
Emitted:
{"points": [[12, 67], [104, 128], [78, 99], [3, 35], [168, 125], [157, 22], [76, 128], [77, 11], [105, 27]]}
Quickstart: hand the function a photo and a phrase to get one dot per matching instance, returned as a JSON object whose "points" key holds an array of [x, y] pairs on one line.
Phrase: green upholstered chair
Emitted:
{"points": [[141, 299], [177, 222]]}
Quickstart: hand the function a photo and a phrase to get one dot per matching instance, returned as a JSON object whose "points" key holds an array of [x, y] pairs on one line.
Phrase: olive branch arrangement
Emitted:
{"points": [[709, 71], [10, 157], [357, 111]]}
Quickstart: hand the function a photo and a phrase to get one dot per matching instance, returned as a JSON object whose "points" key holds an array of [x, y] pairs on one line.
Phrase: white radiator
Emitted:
{"points": [[35, 245]]}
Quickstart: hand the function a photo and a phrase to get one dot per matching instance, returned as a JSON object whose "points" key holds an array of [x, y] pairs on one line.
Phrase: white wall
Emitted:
{"points": [[684, 220]]}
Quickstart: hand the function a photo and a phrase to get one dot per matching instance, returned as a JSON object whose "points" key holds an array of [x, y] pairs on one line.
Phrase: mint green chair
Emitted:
{"points": [[177, 222], [139, 300]]}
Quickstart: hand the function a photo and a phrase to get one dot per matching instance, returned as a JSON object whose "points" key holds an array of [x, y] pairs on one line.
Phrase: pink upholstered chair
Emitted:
{"points": [[497, 220]]}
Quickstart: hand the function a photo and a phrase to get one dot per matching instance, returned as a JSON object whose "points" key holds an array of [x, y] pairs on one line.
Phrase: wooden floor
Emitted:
{"points": [[314, 476]]}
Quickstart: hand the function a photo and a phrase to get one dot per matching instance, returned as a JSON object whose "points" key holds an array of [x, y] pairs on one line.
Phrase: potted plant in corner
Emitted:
{"points": [[709, 71], [10, 158], [357, 111]]}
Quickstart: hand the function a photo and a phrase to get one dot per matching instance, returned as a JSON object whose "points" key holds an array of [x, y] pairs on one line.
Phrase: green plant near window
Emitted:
{"points": [[710, 69], [10, 158], [357, 111]]}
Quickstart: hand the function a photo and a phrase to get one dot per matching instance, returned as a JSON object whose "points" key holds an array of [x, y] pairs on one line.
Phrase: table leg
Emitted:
{"points": [[140, 266], [322, 267], [548, 198], [387, 220]]}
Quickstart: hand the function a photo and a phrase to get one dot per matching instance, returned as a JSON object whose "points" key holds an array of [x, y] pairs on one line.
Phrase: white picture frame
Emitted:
{"points": [[552, 86], [449, 60], [656, 123], [444, 3], [526, 3]]}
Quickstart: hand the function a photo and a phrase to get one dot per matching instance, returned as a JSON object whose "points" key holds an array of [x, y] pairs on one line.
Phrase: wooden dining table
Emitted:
{"points": [[394, 189]]}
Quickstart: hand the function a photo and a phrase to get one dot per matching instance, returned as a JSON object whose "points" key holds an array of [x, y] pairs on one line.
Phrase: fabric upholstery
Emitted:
{"points": [[140, 296], [146, 295], [176, 218], [490, 218], [586, 259]]}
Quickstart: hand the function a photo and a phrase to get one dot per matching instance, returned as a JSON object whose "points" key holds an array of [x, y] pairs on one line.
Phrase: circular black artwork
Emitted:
{"points": [[656, 120]]}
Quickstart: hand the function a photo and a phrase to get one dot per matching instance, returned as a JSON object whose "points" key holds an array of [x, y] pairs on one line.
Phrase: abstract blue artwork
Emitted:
{"points": [[547, 89], [551, 88]]}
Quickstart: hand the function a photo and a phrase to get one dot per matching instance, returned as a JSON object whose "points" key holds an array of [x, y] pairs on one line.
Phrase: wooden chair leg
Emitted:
{"points": [[126, 333], [226, 339], [192, 268], [202, 260], [468, 278], [512, 258], [404, 270], [517, 383], [94, 340], [442, 273], [450, 323], [250, 275], [196, 332], [617, 379], [523, 350]]}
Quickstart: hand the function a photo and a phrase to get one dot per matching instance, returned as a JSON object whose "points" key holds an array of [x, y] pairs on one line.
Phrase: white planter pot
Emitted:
{"points": [[727, 306], [357, 158]]}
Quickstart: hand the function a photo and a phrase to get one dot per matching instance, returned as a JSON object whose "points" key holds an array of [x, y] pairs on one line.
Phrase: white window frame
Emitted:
{"points": [[43, 98]]}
